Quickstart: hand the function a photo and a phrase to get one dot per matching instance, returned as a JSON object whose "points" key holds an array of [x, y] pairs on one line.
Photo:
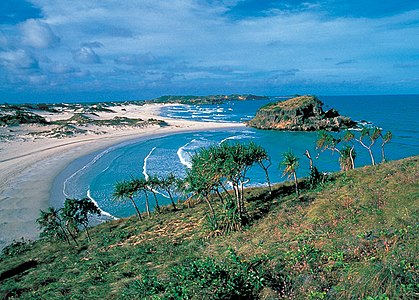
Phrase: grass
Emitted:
{"points": [[354, 237], [291, 104]]}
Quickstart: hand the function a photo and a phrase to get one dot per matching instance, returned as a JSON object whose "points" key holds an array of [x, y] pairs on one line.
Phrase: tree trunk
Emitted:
{"points": [[171, 199], [219, 196], [157, 201], [136, 208], [296, 183], [69, 231], [383, 156], [87, 233], [265, 169], [224, 188], [237, 193], [65, 234], [352, 158], [146, 204], [307, 153], [210, 205], [369, 150], [372, 156]]}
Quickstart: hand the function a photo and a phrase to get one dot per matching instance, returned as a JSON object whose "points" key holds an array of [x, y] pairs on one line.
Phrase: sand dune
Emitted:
{"points": [[28, 165]]}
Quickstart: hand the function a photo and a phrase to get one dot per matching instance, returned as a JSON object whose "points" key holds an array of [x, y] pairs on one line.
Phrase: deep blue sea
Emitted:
{"points": [[95, 175]]}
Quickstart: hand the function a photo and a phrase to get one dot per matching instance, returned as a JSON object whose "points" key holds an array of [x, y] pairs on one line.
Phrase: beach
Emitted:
{"points": [[29, 164]]}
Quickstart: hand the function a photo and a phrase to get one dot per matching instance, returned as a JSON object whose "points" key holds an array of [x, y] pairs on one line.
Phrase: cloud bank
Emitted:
{"points": [[141, 49]]}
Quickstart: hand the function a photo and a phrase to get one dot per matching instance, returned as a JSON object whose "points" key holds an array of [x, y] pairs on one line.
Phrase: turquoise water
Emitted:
{"points": [[96, 175]]}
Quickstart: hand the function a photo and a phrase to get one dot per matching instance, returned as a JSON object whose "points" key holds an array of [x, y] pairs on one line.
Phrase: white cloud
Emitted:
{"points": [[86, 55], [137, 59], [38, 34], [197, 40], [18, 60]]}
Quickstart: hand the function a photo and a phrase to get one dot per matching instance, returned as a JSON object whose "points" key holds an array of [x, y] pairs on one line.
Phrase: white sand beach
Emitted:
{"points": [[29, 164]]}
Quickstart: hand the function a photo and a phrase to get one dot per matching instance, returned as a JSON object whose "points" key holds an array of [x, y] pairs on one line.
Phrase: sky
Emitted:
{"points": [[102, 50]]}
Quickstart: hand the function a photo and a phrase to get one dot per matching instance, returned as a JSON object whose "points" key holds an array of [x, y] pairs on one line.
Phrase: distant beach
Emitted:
{"points": [[29, 165], [31, 159]]}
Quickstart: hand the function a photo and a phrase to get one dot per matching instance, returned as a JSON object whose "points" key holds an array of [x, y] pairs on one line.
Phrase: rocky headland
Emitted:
{"points": [[303, 113]]}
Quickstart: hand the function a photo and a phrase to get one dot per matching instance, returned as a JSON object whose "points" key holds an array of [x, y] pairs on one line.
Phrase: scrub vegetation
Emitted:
{"points": [[352, 235]]}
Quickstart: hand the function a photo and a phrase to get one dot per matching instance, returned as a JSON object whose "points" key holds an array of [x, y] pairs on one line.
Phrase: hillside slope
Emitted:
{"points": [[353, 237]]}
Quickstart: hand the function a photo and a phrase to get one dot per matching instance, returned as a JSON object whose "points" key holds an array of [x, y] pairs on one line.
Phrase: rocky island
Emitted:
{"points": [[303, 113]]}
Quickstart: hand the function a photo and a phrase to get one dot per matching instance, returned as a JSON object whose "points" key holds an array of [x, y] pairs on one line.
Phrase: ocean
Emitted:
{"points": [[95, 175]]}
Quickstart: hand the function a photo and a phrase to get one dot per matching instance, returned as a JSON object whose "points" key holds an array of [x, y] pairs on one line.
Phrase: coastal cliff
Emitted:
{"points": [[303, 113]]}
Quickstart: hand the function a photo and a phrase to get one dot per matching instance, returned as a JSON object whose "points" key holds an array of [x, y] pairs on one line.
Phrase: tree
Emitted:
{"points": [[50, 224], [141, 184], [218, 166], [290, 164], [260, 155], [76, 213], [153, 184], [169, 185], [385, 139], [348, 152], [373, 134], [327, 141], [346, 158], [315, 176], [127, 190]]}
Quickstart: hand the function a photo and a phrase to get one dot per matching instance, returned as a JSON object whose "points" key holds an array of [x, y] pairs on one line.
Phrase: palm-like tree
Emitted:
{"points": [[153, 184], [169, 184], [386, 138], [290, 164], [76, 212], [347, 157], [143, 185], [373, 134], [50, 224], [260, 155], [126, 190]]}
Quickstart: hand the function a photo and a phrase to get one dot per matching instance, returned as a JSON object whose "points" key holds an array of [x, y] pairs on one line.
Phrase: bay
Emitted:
{"points": [[95, 176]]}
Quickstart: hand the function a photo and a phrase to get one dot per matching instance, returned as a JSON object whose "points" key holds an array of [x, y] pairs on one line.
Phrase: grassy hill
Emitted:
{"points": [[353, 237]]}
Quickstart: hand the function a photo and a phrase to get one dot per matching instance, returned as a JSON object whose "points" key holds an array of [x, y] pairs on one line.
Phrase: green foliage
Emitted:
{"points": [[16, 248], [171, 185], [215, 167], [316, 177], [21, 117], [210, 99], [290, 164], [59, 223], [51, 224], [347, 157], [232, 278], [355, 239], [126, 190], [75, 213], [326, 140]]}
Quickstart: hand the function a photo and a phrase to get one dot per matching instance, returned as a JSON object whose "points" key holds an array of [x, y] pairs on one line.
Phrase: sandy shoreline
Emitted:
{"points": [[28, 167]]}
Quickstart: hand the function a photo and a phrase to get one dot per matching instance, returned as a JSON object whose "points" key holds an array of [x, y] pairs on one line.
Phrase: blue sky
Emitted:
{"points": [[59, 50]]}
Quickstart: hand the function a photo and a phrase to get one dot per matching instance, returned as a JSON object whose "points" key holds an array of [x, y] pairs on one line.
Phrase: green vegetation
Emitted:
{"points": [[84, 119], [20, 117], [216, 167], [347, 153], [59, 224], [302, 113], [211, 99], [290, 164], [353, 236]]}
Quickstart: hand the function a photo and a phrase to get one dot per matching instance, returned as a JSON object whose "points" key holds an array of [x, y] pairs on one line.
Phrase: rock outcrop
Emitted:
{"points": [[304, 113]]}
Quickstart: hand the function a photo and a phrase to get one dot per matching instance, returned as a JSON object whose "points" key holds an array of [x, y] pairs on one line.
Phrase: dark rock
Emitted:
{"points": [[304, 113]]}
